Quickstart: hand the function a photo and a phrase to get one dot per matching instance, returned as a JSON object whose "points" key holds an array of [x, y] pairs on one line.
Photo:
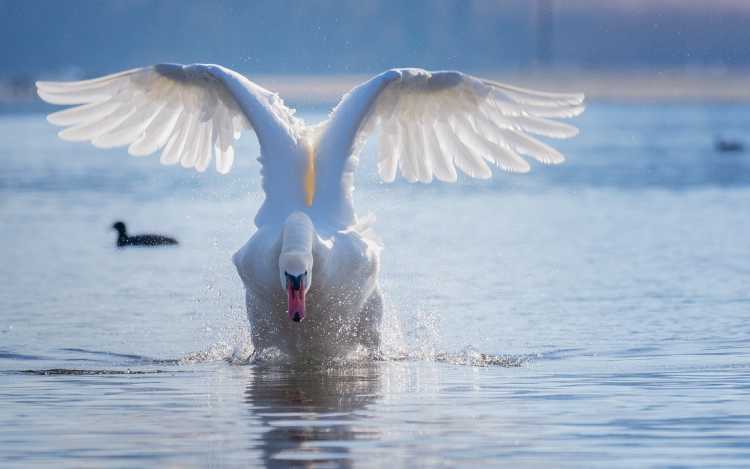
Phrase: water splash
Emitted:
{"points": [[421, 342], [243, 354], [471, 357], [236, 349]]}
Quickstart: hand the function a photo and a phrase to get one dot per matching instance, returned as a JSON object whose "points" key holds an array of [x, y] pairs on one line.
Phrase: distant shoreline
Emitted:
{"points": [[617, 86], [628, 86]]}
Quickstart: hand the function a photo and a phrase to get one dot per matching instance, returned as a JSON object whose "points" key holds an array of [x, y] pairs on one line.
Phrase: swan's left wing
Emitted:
{"points": [[189, 112], [432, 123]]}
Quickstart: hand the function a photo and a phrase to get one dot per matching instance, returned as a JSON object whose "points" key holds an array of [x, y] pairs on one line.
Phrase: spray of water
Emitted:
{"points": [[419, 343]]}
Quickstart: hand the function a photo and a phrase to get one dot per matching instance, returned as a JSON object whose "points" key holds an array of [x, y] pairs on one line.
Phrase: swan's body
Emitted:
{"points": [[343, 308], [309, 241]]}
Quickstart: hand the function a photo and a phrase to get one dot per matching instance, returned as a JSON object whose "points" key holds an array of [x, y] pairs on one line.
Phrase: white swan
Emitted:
{"points": [[311, 258]]}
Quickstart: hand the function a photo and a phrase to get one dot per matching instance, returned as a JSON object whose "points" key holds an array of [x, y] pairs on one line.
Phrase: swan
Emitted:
{"points": [[310, 270]]}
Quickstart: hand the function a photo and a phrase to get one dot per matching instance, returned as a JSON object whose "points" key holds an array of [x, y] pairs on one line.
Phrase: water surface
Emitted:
{"points": [[588, 314]]}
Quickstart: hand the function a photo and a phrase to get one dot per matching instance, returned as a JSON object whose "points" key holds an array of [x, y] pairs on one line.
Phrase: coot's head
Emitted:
{"points": [[119, 226]]}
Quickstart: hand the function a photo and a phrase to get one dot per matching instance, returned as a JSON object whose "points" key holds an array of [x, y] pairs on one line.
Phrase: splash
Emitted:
{"points": [[471, 357], [418, 345], [235, 348]]}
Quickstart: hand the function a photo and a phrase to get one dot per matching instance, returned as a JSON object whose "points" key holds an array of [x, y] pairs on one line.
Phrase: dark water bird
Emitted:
{"points": [[728, 146], [140, 240]]}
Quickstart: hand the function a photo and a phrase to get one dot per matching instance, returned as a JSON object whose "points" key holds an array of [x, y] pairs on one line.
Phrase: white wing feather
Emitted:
{"points": [[433, 123], [191, 113]]}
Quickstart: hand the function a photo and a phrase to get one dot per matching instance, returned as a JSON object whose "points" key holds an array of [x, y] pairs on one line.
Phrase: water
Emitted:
{"points": [[588, 314]]}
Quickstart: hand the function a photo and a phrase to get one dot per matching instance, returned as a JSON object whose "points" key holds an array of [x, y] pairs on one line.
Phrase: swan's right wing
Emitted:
{"points": [[190, 113], [433, 124]]}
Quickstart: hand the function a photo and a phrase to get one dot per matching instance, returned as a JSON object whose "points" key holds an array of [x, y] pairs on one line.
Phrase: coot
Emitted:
{"points": [[140, 240]]}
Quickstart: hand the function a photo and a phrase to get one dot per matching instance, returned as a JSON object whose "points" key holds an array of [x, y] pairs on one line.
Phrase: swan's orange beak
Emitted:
{"points": [[295, 290]]}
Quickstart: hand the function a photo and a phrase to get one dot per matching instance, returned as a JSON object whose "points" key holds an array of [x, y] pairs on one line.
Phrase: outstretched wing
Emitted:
{"points": [[432, 123], [190, 113]]}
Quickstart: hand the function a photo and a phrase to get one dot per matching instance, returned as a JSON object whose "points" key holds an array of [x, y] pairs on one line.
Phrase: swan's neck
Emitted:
{"points": [[297, 237], [296, 256]]}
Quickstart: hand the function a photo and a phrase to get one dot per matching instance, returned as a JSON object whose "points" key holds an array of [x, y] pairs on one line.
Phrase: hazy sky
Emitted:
{"points": [[53, 38]]}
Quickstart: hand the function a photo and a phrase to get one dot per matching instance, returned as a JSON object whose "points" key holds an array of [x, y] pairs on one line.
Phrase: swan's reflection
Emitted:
{"points": [[313, 415]]}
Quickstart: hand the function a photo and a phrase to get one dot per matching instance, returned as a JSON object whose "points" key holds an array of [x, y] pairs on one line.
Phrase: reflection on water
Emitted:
{"points": [[312, 414]]}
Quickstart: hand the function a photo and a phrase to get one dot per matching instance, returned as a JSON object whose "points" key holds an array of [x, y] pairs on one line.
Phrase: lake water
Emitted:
{"points": [[591, 314]]}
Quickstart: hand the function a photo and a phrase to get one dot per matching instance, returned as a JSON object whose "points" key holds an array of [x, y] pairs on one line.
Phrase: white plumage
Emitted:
{"points": [[431, 125]]}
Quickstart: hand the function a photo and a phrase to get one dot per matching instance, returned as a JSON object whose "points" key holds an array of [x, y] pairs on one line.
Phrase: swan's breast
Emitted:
{"points": [[257, 262], [348, 265]]}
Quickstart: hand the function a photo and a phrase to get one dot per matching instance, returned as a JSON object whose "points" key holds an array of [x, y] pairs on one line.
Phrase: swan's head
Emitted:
{"points": [[295, 271]]}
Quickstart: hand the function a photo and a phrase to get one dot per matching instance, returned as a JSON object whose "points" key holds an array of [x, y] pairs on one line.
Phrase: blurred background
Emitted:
{"points": [[613, 48]]}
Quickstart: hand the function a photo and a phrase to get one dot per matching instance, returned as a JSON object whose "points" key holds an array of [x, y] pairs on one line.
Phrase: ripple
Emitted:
{"points": [[84, 372]]}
